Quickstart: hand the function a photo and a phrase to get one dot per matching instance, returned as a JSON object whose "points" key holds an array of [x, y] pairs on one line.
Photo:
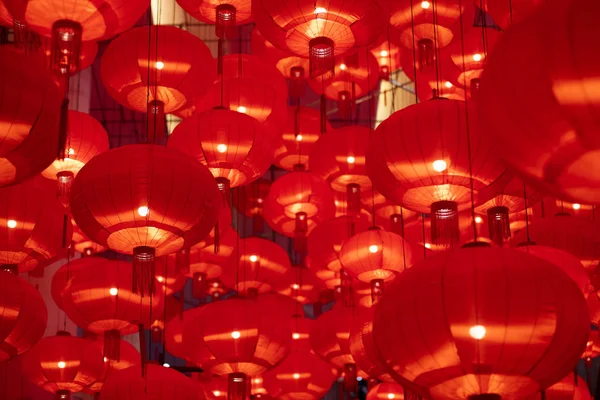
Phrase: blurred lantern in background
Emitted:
{"points": [[386, 391], [301, 284], [225, 15], [128, 357], [249, 200]]}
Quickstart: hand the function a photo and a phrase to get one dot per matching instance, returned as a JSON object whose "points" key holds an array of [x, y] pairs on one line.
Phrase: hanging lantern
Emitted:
{"points": [[386, 391], [299, 133], [375, 256], [504, 13], [34, 228], [157, 77], [16, 386], [261, 264], [23, 314], [301, 284], [174, 332], [296, 203], [159, 213], [249, 201], [422, 157], [82, 244], [233, 146], [30, 131], [339, 158], [464, 293], [156, 382], [387, 50], [129, 357], [63, 364], [388, 214], [319, 31], [226, 15], [568, 388], [98, 298], [85, 139], [168, 276]]}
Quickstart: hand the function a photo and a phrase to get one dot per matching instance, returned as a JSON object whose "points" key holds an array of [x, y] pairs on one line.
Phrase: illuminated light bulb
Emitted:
{"points": [[160, 278], [257, 380], [295, 336], [113, 291], [259, 201], [351, 160], [384, 53], [61, 364], [373, 248], [391, 395], [217, 393], [296, 376], [427, 245], [11, 223], [71, 151], [159, 65], [575, 207], [477, 332], [105, 359], [215, 284], [295, 286], [320, 10], [299, 138], [221, 148], [425, 5], [343, 67], [478, 220], [143, 211], [241, 109], [235, 334], [448, 84], [439, 165], [253, 258], [166, 365], [477, 57]]}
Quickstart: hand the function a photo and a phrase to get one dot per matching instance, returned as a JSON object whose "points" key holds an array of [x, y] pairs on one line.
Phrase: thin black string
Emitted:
{"points": [[526, 212]]}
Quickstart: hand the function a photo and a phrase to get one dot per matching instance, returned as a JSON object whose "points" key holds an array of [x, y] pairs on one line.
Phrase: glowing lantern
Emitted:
{"points": [[504, 13], [386, 391], [169, 278], [129, 357], [82, 244], [301, 284], [249, 201], [363, 350], [224, 14], [386, 51]]}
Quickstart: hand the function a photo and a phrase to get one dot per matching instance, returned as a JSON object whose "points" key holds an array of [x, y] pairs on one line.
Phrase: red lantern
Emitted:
{"points": [[300, 132], [319, 31], [232, 145], [386, 51], [156, 77], [363, 350], [423, 156], [301, 284], [486, 315], [23, 315], [85, 139], [386, 391], [98, 298], [129, 357], [375, 256], [388, 214], [225, 14], [175, 330], [249, 201], [339, 157], [30, 131], [157, 382], [63, 364], [260, 266], [504, 13], [34, 228], [569, 388], [16, 386], [301, 328], [171, 203], [82, 244], [170, 279], [296, 203]]}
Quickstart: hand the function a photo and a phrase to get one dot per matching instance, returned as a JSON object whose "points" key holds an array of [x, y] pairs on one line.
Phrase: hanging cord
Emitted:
{"points": [[403, 241], [66, 283], [435, 44], [526, 212], [423, 237], [414, 48], [370, 119]]}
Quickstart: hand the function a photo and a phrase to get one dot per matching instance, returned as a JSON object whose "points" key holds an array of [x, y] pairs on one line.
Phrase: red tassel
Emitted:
{"points": [[444, 223], [425, 54], [143, 271], [182, 261], [498, 224], [475, 86], [112, 345], [63, 129], [237, 387], [64, 230], [24, 37], [199, 285], [323, 106], [350, 385], [345, 105], [64, 181], [143, 349], [225, 26], [300, 232], [322, 63], [353, 199], [156, 120], [384, 72], [396, 224], [297, 82], [217, 239], [376, 290]]}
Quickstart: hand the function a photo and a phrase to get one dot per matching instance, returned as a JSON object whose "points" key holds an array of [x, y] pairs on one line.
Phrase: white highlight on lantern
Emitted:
{"points": [[427, 245], [383, 53], [320, 10], [425, 5], [295, 336], [351, 159], [71, 151], [477, 57], [296, 376], [11, 223], [448, 84], [391, 395], [299, 138], [167, 365], [105, 359], [113, 291], [253, 258], [143, 211], [236, 334], [217, 393], [242, 109], [221, 148], [343, 67], [373, 248], [295, 286], [160, 279], [478, 220], [477, 332], [439, 165], [575, 207], [61, 364], [159, 65]]}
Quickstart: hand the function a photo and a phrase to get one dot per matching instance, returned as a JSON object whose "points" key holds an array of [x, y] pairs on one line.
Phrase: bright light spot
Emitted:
{"points": [[61, 364], [215, 284], [295, 336], [320, 10], [253, 258], [143, 211], [425, 5], [241, 109], [477, 57], [350, 160], [167, 365], [299, 138], [160, 278], [71, 151], [427, 245], [477, 332], [343, 67], [257, 380], [296, 376], [113, 291], [295, 286], [391, 395], [358, 378], [221, 148], [373, 248], [259, 201], [216, 393], [11, 223], [439, 165], [478, 220], [575, 207], [105, 359], [159, 65], [235, 334], [448, 84], [383, 53]]}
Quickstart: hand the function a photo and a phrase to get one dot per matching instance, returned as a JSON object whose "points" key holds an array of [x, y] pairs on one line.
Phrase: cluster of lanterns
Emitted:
{"points": [[388, 275]]}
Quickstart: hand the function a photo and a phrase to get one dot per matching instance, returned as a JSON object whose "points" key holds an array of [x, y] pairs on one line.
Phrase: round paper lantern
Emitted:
{"points": [[319, 30], [544, 130], [301, 327], [260, 266], [175, 330], [232, 145], [171, 203], [375, 256], [82, 244], [249, 201], [363, 350], [157, 382], [339, 157], [569, 388], [385, 391], [299, 132], [504, 13], [63, 364], [23, 315], [129, 357], [387, 214], [225, 14], [16, 386], [387, 50], [301, 284], [156, 77], [296, 203], [99, 299], [517, 315], [169, 278], [422, 158], [28, 118], [34, 228], [85, 139]]}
